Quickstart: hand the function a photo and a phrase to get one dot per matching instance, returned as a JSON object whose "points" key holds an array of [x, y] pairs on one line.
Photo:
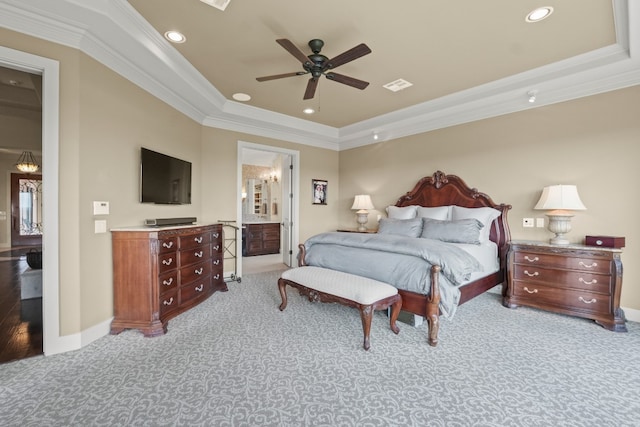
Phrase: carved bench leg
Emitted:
{"points": [[366, 314], [395, 311], [283, 293]]}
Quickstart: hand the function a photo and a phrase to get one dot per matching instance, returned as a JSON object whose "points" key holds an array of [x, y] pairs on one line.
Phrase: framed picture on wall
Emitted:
{"points": [[319, 191]]}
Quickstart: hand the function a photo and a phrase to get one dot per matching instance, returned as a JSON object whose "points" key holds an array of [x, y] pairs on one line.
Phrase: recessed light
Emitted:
{"points": [[241, 97], [308, 111], [175, 37], [539, 14]]}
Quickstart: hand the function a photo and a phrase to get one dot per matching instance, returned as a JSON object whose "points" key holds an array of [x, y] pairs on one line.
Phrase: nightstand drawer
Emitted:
{"points": [[563, 278], [573, 300], [572, 263]]}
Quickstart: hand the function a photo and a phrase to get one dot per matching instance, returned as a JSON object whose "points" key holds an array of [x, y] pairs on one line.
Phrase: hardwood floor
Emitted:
{"points": [[20, 319]]}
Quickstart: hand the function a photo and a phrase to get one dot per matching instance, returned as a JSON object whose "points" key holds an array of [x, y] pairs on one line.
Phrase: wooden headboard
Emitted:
{"points": [[443, 190]]}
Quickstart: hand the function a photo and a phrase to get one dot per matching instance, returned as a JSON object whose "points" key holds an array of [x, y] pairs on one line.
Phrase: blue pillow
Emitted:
{"points": [[402, 227], [456, 231]]}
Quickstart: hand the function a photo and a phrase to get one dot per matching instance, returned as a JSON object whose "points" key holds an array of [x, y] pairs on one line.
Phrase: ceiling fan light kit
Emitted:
{"points": [[317, 65]]}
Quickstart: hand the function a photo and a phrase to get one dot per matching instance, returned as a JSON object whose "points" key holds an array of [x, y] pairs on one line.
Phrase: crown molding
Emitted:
{"points": [[113, 33]]}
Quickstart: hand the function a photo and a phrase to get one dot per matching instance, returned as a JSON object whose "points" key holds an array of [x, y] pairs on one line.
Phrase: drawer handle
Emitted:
{"points": [[199, 271], [216, 247], [534, 274], [198, 239], [216, 235], [588, 282], [534, 259], [200, 288], [167, 261], [216, 262], [199, 254], [535, 291], [591, 301], [165, 302], [592, 265], [168, 282], [167, 245], [217, 276]]}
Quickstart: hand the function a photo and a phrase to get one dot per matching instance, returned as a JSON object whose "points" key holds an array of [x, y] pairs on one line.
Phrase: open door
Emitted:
{"points": [[26, 210], [287, 212]]}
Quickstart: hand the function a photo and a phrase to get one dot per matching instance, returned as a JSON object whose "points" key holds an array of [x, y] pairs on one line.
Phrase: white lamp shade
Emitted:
{"points": [[362, 202], [560, 197]]}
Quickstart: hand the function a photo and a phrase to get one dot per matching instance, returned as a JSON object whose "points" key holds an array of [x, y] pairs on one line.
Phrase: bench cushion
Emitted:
{"points": [[355, 288]]}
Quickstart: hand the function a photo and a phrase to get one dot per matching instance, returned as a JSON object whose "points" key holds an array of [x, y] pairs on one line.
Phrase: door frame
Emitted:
{"points": [[53, 342], [295, 190]]}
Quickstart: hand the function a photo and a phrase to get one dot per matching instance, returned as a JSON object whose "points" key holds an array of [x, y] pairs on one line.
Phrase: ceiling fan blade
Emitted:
{"points": [[348, 56], [350, 81], [278, 76], [311, 88], [293, 50]]}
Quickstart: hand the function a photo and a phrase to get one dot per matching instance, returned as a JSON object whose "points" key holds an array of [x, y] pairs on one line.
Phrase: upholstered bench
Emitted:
{"points": [[324, 285]]}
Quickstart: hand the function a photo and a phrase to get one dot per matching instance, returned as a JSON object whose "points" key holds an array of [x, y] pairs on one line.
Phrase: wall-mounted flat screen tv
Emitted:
{"points": [[164, 179]]}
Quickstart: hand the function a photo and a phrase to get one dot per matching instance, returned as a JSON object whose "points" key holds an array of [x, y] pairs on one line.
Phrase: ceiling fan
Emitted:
{"points": [[318, 65]]}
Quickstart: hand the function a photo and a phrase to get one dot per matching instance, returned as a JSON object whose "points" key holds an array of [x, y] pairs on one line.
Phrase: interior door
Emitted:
{"points": [[26, 209], [287, 211]]}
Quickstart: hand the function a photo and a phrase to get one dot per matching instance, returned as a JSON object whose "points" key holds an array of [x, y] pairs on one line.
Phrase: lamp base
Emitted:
{"points": [[559, 225], [362, 219]]}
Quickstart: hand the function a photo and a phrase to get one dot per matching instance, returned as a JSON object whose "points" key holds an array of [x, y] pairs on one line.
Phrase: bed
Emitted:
{"points": [[436, 268]]}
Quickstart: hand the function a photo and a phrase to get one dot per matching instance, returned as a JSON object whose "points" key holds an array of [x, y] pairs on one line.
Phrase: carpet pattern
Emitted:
{"points": [[236, 360]]}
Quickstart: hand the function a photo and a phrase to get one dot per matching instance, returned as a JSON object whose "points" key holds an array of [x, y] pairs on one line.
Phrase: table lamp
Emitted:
{"points": [[560, 201]]}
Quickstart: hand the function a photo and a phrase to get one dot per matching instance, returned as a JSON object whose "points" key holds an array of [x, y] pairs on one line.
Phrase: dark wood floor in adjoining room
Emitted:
{"points": [[20, 320]]}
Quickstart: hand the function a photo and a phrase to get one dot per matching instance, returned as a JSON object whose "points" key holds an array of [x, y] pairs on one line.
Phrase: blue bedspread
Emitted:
{"points": [[404, 262]]}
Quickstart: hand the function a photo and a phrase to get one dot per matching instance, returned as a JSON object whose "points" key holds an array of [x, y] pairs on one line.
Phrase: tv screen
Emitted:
{"points": [[164, 179]]}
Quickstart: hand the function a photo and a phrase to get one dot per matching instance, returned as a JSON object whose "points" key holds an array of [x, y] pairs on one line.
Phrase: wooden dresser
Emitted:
{"points": [[161, 272], [577, 280], [261, 238]]}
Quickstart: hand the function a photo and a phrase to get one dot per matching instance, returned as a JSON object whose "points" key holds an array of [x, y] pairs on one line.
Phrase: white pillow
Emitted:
{"points": [[441, 213], [407, 212], [485, 215]]}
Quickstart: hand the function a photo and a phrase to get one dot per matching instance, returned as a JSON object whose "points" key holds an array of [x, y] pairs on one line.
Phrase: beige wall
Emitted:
{"points": [[219, 153], [591, 142]]}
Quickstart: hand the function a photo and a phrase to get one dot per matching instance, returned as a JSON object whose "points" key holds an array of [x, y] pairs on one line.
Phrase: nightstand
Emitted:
{"points": [[355, 230], [576, 280]]}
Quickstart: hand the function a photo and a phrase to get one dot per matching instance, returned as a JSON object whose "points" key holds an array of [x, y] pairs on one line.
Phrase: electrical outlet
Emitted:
{"points": [[527, 222], [540, 222]]}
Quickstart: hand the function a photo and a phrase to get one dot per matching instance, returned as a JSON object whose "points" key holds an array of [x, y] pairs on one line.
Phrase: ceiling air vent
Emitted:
{"points": [[218, 4], [397, 85]]}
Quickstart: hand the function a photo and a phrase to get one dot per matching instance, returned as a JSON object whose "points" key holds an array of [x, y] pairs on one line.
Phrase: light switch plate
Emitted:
{"points": [[101, 208], [100, 226]]}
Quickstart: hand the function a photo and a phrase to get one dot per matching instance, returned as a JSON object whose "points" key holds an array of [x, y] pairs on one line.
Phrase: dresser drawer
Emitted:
{"points": [[216, 260], [168, 261], [572, 300], [195, 289], [573, 263], [169, 302], [168, 244], [216, 247], [194, 240], [563, 278], [168, 281], [194, 272], [195, 255]]}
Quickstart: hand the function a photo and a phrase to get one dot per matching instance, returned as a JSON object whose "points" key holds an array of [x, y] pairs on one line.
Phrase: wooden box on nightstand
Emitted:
{"points": [[577, 280]]}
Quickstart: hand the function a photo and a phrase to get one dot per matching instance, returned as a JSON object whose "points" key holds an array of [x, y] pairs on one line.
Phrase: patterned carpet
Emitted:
{"points": [[236, 360]]}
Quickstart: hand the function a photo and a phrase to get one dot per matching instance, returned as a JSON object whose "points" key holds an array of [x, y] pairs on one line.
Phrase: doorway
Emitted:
{"points": [[276, 177], [49, 70]]}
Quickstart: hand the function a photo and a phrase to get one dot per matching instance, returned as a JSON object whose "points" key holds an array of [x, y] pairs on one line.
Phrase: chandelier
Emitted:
{"points": [[26, 163]]}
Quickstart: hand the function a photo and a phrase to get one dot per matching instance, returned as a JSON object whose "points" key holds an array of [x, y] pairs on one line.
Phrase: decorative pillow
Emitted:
{"points": [[406, 212], [485, 215], [438, 212], [403, 227], [455, 231]]}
